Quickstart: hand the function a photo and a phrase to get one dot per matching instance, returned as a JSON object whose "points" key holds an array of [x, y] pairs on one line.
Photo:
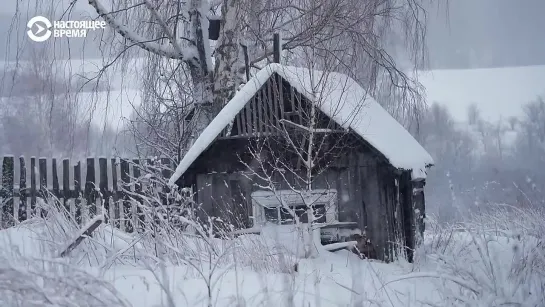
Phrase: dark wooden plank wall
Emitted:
{"points": [[366, 186], [369, 193], [101, 189], [406, 200]]}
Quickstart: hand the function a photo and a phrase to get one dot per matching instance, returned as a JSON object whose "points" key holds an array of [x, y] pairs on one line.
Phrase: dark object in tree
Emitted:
{"points": [[214, 29], [364, 248], [246, 62], [85, 232], [277, 48]]}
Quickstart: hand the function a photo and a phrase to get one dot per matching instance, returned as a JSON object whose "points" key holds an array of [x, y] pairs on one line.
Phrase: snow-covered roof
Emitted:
{"points": [[340, 98], [497, 92]]}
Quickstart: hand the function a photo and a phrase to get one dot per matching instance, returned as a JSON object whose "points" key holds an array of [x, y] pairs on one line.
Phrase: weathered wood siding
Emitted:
{"points": [[224, 195], [274, 102], [370, 192]]}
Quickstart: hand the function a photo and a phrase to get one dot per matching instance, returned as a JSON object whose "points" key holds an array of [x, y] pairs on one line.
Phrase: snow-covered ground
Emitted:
{"points": [[327, 281], [472, 266]]}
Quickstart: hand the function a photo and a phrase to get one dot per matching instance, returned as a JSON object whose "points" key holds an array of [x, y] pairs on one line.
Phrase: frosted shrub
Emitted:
{"points": [[29, 282], [260, 255], [495, 259]]}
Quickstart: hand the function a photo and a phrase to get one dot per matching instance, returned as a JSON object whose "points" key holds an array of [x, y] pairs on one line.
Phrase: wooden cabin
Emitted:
{"points": [[372, 166]]}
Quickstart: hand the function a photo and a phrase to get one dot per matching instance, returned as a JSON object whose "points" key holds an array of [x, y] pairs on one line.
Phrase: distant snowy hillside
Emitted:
{"points": [[112, 108], [113, 100], [498, 92]]}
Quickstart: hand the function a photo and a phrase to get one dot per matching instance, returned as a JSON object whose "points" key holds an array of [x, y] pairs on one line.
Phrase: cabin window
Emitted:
{"points": [[274, 214], [269, 207]]}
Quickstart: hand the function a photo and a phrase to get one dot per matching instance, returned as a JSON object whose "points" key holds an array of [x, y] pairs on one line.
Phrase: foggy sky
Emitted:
{"points": [[469, 34], [487, 33]]}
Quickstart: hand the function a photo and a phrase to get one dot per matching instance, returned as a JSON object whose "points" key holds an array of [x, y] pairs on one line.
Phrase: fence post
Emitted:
{"points": [[77, 192], [166, 173], [127, 216], [139, 219], [115, 195], [66, 186], [43, 183], [56, 200], [90, 195], [103, 185], [33, 186], [55, 178], [22, 190], [6, 197]]}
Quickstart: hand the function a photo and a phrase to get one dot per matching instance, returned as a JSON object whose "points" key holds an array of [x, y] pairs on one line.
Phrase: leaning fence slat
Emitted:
{"points": [[7, 194], [22, 190], [83, 233]]}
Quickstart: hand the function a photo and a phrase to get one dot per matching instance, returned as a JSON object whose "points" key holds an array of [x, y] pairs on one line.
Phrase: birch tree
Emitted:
{"points": [[183, 67], [174, 35]]}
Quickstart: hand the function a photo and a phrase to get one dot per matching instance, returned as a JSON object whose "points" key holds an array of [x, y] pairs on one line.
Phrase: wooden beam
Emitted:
{"points": [[270, 104], [242, 128], [266, 110], [280, 96], [238, 122], [259, 102], [84, 233], [248, 111], [255, 120]]}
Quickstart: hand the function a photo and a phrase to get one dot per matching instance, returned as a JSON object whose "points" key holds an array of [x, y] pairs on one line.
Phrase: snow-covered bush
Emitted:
{"points": [[33, 274], [51, 234], [35, 281], [495, 259]]}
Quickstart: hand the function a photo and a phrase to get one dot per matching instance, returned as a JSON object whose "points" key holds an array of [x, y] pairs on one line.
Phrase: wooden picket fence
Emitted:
{"points": [[84, 188]]}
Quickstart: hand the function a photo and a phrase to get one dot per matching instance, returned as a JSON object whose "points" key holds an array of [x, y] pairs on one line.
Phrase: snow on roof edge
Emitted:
{"points": [[224, 117], [383, 123]]}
